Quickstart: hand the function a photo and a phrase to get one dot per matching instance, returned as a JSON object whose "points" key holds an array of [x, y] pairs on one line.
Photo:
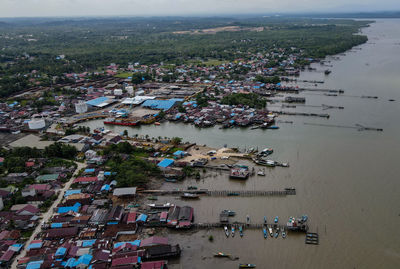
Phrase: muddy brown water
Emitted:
{"points": [[347, 181]]}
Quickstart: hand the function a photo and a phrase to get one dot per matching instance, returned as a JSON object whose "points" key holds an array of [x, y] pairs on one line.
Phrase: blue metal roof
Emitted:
{"points": [[56, 225], [61, 251], [35, 245], [161, 104], [105, 187], [97, 101], [70, 192], [165, 163], [133, 243], [66, 209], [84, 259], [142, 217], [91, 170], [88, 243], [34, 265], [179, 153]]}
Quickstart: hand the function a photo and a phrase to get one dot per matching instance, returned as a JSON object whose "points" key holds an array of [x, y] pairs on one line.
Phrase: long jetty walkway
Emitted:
{"points": [[236, 225], [242, 193]]}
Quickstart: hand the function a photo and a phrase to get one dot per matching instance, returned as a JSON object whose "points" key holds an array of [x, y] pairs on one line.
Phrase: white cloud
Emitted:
{"points": [[34, 8]]}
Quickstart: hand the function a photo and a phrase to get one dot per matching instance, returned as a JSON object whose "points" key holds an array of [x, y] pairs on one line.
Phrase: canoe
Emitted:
{"points": [[247, 265], [226, 231], [270, 232], [241, 231], [221, 254], [187, 195], [265, 233], [276, 219], [229, 212], [276, 233], [283, 234], [233, 231]]}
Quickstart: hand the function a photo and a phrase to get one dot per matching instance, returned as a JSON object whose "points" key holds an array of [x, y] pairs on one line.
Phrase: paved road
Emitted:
{"points": [[46, 216]]}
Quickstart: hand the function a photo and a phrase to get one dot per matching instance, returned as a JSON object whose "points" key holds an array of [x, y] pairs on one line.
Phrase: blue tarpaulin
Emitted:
{"points": [[89, 170], [165, 163]]}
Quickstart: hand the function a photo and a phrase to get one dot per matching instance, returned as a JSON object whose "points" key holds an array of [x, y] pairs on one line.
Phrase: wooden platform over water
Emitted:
{"points": [[233, 193]]}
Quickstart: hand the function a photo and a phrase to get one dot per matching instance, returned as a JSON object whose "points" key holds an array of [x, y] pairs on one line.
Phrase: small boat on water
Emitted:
{"points": [[265, 233], [157, 123], [192, 188], [284, 164], [283, 233], [170, 180], [233, 231], [153, 198], [270, 163], [241, 231], [226, 231], [248, 219], [230, 213], [271, 233], [187, 195], [221, 255], [272, 127], [276, 219], [276, 233], [265, 220], [247, 265], [160, 206], [261, 173]]}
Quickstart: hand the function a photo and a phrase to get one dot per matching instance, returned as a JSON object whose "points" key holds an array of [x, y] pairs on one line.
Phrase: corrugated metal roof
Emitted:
{"points": [[97, 101], [165, 163]]}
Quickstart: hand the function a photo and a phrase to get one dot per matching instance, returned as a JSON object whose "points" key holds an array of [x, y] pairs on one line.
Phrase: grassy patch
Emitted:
{"points": [[124, 75]]}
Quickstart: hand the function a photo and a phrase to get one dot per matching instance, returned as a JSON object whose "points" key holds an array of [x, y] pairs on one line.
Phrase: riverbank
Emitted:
{"points": [[342, 176]]}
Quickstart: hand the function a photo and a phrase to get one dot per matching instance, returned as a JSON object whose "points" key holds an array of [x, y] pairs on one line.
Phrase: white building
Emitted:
{"points": [[129, 90], [37, 122], [81, 107], [118, 92]]}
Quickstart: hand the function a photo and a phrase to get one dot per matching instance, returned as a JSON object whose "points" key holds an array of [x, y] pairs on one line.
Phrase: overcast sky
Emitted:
{"points": [[37, 8]]}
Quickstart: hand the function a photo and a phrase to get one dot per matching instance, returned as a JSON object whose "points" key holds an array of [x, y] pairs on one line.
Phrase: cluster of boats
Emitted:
{"points": [[273, 230], [260, 159]]}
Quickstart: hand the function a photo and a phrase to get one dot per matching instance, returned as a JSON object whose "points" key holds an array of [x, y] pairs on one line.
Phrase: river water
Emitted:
{"points": [[347, 181]]}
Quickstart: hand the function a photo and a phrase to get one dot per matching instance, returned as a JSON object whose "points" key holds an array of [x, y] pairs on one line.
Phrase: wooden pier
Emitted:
{"points": [[236, 225], [322, 90], [301, 114], [234, 193]]}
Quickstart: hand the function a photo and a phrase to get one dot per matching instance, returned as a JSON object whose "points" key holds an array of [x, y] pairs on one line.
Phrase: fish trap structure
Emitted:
{"points": [[312, 239]]}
